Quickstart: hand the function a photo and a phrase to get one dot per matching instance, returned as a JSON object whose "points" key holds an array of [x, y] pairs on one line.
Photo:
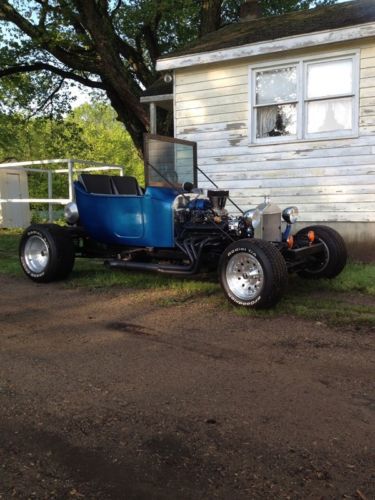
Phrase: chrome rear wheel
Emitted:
{"points": [[253, 273], [46, 252], [244, 275], [36, 254]]}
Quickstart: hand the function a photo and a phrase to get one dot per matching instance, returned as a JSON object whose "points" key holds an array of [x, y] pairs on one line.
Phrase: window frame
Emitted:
{"points": [[302, 101], [284, 103]]}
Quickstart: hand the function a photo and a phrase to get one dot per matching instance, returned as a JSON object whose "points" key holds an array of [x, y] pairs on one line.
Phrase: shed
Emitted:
{"points": [[13, 186], [285, 106]]}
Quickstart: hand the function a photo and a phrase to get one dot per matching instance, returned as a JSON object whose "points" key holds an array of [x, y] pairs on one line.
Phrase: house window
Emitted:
{"points": [[306, 99], [276, 102]]}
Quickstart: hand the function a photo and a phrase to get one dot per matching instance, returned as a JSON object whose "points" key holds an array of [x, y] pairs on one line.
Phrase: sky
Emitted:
{"points": [[81, 95]]}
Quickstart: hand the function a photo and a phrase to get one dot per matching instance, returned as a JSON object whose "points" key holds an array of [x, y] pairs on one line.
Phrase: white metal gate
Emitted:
{"points": [[67, 166]]}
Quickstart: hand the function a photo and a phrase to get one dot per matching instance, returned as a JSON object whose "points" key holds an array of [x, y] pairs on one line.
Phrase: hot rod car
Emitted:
{"points": [[174, 227]]}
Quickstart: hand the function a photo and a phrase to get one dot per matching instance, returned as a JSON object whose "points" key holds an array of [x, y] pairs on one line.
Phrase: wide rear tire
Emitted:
{"points": [[329, 263], [253, 274], [46, 253]]}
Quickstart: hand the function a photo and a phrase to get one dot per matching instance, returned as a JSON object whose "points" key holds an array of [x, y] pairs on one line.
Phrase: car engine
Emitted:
{"points": [[196, 210]]}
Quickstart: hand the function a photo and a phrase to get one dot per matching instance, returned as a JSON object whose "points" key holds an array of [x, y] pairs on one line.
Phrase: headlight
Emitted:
{"points": [[290, 215], [252, 217], [71, 213]]}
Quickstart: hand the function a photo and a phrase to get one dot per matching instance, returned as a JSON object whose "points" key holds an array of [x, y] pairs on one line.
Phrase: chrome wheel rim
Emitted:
{"points": [[244, 275], [36, 254]]}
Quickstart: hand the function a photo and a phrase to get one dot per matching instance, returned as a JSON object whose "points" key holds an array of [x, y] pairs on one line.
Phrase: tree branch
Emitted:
{"points": [[40, 66], [66, 11], [43, 12], [103, 25], [48, 99], [151, 42], [79, 62]]}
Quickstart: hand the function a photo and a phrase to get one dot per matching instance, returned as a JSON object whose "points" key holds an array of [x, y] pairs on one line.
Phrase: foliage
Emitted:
{"points": [[106, 44], [89, 132], [10, 128], [105, 138], [274, 7]]}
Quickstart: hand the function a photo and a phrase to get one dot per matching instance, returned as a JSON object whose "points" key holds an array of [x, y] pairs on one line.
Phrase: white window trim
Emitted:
{"points": [[301, 64]]}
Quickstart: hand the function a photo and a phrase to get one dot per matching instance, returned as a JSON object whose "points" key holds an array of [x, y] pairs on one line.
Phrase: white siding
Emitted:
{"points": [[331, 180]]}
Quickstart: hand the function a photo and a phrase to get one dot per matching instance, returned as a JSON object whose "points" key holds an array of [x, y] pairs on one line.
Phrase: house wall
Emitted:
{"points": [[331, 181]]}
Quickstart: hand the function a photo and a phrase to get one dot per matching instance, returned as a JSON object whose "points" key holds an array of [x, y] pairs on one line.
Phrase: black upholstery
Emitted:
{"points": [[125, 185], [107, 184], [98, 184]]}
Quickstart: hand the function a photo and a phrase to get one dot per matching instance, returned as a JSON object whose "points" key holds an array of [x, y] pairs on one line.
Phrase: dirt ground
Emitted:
{"points": [[111, 396]]}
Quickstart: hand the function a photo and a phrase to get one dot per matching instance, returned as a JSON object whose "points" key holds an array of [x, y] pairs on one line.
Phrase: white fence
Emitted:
{"points": [[72, 169]]}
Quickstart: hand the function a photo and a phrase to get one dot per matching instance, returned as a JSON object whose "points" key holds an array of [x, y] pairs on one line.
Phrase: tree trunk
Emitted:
{"points": [[122, 93], [210, 16], [134, 126]]}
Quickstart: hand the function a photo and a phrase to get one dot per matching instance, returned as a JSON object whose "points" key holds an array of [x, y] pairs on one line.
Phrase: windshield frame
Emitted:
{"points": [[148, 164]]}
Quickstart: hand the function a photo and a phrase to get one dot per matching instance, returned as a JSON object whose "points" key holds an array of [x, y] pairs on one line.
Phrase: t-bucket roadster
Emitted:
{"points": [[174, 227]]}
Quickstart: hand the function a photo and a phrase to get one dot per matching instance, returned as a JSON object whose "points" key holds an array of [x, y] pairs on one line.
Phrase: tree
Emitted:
{"points": [[105, 44], [23, 139], [105, 138], [89, 132]]}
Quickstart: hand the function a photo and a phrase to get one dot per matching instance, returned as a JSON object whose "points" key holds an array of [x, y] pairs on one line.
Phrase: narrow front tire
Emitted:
{"points": [[330, 262]]}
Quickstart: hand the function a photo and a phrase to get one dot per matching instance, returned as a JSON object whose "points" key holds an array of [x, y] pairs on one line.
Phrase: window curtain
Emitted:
{"points": [[266, 118]]}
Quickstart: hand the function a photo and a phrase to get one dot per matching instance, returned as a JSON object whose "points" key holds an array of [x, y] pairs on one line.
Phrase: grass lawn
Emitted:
{"points": [[347, 300]]}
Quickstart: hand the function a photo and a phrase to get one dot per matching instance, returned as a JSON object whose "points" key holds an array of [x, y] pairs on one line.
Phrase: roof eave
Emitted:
{"points": [[268, 47]]}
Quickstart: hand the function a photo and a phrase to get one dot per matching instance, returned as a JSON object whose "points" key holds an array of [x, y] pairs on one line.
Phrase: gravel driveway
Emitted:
{"points": [[112, 396]]}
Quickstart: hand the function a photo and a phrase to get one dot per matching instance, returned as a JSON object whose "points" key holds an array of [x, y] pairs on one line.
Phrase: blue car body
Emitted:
{"points": [[145, 220]]}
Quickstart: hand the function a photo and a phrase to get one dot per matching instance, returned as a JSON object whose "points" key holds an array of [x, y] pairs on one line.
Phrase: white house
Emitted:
{"points": [[284, 106]]}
